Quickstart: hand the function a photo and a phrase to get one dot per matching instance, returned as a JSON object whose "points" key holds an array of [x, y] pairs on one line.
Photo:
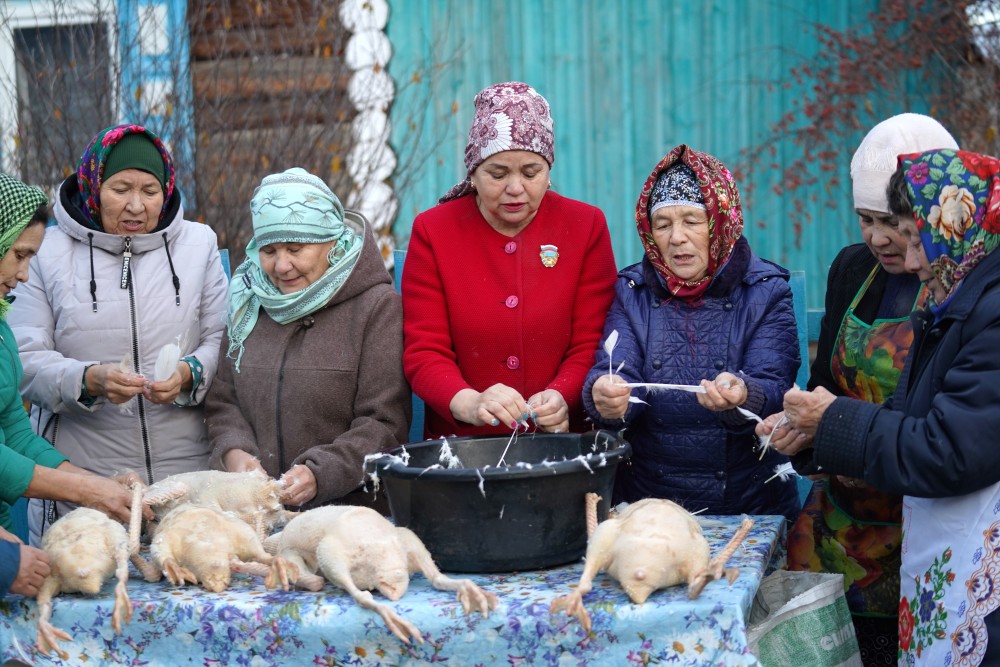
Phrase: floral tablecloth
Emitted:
{"points": [[249, 625]]}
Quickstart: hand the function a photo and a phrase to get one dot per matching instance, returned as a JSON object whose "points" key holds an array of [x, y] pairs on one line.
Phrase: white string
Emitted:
{"points": [[693, 388]]}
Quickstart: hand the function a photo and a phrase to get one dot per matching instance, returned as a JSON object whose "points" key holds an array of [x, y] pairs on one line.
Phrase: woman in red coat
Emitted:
{"points": [[507, 283]]}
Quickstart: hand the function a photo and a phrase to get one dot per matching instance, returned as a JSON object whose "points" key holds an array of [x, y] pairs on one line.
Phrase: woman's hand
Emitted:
{"points": [[31, 571], [784, 438], [111, 381], [167, 391], [610, 396], [805, 409], [236, 460], [497, 405], [549, 410], [121, 483], [129, 479], [724, 393], [299, 485], [105, 495]]}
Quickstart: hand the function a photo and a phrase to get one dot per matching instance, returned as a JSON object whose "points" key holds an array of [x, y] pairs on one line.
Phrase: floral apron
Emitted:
{"points": [[948, 541], [842, 528]]}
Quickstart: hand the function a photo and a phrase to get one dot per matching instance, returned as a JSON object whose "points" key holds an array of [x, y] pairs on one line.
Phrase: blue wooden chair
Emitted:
{"points": [[797, 281], [417, 425], [19, 513], [224, 255]]}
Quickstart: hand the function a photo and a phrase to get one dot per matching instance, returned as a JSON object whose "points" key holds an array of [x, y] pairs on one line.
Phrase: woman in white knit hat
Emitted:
{"points": [[866, 333]]}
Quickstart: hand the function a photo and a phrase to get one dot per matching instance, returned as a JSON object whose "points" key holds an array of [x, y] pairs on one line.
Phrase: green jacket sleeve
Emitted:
{"points": [[20, 448]]}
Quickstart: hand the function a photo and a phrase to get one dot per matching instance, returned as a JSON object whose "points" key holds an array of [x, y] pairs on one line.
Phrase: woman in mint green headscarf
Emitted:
{"points": [[313, 379]]}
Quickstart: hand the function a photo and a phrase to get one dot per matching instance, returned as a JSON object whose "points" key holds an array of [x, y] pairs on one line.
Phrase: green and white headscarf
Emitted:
{"points": [[291, 207], [18, 202]]}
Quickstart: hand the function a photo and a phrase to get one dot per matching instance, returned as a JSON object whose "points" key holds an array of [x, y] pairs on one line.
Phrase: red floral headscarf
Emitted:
{"points": [[725, 218], [956, 205]]}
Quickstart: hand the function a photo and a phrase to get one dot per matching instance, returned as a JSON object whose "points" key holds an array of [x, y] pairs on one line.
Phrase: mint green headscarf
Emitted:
{"points": [[291, 207]]}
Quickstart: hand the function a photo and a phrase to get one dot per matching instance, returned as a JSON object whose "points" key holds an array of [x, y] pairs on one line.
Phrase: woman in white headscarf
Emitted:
{"points": [[846, 526]]}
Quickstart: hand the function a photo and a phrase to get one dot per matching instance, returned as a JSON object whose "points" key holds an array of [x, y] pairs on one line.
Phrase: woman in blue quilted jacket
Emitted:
{"points": [[700, 310]]}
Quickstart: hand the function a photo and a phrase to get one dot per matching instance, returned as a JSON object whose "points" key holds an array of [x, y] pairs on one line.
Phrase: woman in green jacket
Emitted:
{"points": [[30, 466]]}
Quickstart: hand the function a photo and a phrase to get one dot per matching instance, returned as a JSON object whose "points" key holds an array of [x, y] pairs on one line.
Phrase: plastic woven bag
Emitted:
{"points": [[802, 618]]}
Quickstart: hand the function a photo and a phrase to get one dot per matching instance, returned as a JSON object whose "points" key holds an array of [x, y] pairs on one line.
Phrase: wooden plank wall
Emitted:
{"points": [[269, 85]]}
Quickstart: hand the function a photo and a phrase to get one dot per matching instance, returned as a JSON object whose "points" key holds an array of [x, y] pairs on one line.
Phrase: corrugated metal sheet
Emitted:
{"points": [[627, 80]]}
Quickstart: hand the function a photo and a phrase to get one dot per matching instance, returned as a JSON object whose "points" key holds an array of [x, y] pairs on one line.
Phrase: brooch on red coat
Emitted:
{"points": [[549, 255]]}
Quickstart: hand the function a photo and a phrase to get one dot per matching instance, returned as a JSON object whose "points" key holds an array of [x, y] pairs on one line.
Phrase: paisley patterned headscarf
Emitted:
{"points": [[18, 202], [725, 218], [291, 207], [90, 172], [676, 186], [509, 116], [956, 205]]}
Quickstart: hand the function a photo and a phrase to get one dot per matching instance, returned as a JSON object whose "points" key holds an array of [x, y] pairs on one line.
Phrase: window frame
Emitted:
{"points": [[44, 14]]}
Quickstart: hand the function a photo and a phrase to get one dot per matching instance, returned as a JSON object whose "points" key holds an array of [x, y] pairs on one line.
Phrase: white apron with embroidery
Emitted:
{"points": [[951, 559]]}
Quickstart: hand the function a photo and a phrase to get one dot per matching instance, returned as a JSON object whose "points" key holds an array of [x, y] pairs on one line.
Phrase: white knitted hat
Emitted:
{"points": [[875, 160]]}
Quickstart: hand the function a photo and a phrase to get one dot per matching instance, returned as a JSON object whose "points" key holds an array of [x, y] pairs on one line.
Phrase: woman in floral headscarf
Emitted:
{"points": [[506, 282], [933, 441], [845, 525], [121, 275], [699, 309]]}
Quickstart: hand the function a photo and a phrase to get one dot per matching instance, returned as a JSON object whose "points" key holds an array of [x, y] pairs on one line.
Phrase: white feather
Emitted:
{"points": [[765, 442], [749, 415], [784, 471], [166, 362], [125, 366], [609, 346]]}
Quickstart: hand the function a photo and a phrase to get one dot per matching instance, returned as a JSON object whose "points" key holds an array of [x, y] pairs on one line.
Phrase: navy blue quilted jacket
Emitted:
{"points": [[682, 451]]}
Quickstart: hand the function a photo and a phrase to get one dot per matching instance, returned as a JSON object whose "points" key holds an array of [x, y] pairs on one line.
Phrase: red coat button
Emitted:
{"points": [[513, 362], [510, 248], [511, 301]]}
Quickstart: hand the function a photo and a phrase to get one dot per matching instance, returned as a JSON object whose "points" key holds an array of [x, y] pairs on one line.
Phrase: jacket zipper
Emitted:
{"points": [[277, 413], [126, 262], [126, 283], [304, 323]]}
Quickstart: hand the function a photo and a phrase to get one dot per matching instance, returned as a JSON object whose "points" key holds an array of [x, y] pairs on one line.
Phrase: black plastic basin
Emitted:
{"points": [[482, 518]]}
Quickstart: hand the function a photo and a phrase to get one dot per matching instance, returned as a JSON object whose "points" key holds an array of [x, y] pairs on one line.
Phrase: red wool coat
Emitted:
{"points": [[481, 308]]}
